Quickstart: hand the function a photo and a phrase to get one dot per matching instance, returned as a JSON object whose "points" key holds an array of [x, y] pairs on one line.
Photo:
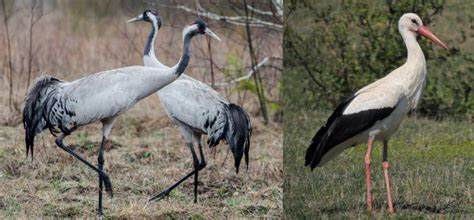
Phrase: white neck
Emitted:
{"points": [[414, 52], [413, 72]]}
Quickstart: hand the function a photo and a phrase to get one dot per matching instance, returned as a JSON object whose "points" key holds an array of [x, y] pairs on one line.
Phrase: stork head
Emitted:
{"points": [[149, 15], [411, 22], [199, 27]]}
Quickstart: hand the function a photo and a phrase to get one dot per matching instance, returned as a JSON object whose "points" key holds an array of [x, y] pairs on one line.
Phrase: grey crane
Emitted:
{"points": [[198, 109], [63, 106]]}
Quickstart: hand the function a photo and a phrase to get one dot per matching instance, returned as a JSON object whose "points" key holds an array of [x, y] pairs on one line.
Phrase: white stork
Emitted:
{"points": [[375, 112], [198, 109], [63, 106]]}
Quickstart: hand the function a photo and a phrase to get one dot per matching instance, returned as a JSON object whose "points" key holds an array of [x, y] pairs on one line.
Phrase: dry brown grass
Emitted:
{"points": [[146, 152]]}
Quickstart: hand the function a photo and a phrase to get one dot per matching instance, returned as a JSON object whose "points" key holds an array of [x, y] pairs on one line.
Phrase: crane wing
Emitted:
{"points": [[193, 102]]}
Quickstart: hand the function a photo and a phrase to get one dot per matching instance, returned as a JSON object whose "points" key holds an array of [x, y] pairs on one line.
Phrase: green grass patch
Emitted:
{"points": [[59, 185], [432, 171], [9, 206], [83, 141]]}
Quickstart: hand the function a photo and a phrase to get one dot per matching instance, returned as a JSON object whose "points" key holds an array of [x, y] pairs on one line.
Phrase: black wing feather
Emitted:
{"points": [[340, 127]]}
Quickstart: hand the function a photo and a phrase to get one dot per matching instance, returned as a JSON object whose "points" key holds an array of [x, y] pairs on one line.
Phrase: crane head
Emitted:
{"points": [[412, 22], [150, 15], [199, 27]]}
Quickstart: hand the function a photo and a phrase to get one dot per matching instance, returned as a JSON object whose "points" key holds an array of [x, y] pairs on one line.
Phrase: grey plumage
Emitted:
{"points": [[198, 109], [63, 106], [60, 105], [37, 108]]}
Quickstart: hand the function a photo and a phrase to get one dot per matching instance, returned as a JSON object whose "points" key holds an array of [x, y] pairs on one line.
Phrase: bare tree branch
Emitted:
{"points": [[236, 20], [253, 59], [246, 77], [33, 20], [6, 17], [278, 5], [258, 11]]}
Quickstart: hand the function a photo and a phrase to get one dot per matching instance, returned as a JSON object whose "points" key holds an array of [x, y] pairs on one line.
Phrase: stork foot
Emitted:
{"points": [[386, 167]]}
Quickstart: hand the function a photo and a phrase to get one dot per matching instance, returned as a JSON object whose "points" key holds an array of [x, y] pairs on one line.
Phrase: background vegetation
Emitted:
{"points": [[334, 48], [340, 46], [72, 39]]}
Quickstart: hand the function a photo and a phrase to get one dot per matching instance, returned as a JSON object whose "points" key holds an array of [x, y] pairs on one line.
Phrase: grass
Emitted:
{"points": [[432, 172], [145, 154]]}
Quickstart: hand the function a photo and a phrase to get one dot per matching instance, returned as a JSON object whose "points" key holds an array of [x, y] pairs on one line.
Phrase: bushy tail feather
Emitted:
{"points": [[238, 134], [35, 103]]}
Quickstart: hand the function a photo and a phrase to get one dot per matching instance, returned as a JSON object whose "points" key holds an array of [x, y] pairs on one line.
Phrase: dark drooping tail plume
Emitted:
{"points": [[232, 124], [36, 107], [238, 134]]}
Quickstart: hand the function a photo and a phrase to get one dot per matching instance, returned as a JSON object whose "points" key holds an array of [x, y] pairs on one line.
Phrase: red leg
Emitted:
{"points": [[367, 172], [386, 166]]}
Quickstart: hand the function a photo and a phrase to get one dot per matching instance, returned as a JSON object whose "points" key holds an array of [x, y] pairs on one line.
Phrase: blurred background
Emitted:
{"points": [[334, 48], [343, 46], [72, 39]]}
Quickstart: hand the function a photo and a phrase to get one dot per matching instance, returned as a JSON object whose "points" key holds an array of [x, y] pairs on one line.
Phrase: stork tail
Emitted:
{"points": [[319, 146]]}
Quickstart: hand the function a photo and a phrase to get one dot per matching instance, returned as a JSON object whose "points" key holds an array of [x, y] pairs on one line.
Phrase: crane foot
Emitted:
{"points": [[160, 196], [108, 185]]}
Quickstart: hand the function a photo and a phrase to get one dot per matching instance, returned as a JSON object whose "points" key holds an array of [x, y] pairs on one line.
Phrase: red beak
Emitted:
{"points": [[425, 32]]}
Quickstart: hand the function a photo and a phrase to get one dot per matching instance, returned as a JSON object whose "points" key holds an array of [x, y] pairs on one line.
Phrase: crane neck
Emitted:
{"points": [[149, 49], [184, 60], [149, 56]]}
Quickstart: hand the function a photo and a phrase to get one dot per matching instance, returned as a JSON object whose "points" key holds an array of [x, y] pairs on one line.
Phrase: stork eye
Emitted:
{"points": [[414, 21]]}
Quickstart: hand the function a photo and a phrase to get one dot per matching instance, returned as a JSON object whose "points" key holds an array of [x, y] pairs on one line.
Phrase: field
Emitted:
{"points": [[146, 153], [432, 172]]}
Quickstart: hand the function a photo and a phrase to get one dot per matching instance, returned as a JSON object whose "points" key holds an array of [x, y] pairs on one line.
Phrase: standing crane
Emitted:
{"points": [[63, 106], [375, 112], [198, 109]]}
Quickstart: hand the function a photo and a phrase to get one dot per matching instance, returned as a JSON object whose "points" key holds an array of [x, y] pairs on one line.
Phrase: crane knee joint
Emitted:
{"points": [[101, 160]]}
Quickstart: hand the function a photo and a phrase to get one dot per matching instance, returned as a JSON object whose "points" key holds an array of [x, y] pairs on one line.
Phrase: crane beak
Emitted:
{"points": [[425, 32], [211, 34], [138, 18]]}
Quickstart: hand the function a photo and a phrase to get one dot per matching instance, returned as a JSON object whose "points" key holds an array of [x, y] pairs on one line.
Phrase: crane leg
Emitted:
{"points": [[196, 170], [386, 166], [105, 177], [203, 162], [197, 166], [368, 156], [101, 161]]}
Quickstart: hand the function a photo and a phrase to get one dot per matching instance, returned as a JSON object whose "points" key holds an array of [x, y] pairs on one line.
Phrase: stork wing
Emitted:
{"points": [[353, 116]]}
